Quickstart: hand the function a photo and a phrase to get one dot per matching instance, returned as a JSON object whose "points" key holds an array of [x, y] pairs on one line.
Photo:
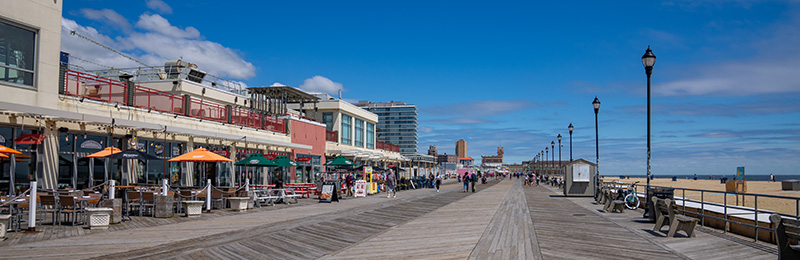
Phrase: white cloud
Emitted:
{"points": [[737, 79], [107, 16], [158, 43], [156, 23], [482, 107], [425, 129], [321, 84], [159, 6]]}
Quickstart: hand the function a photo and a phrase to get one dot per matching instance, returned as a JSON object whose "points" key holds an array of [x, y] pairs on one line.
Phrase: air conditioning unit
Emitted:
{"points": [[174, 69]]}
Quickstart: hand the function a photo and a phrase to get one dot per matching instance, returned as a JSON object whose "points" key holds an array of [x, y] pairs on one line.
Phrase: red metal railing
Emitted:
{"points": [[331, 136], [94, 87], [208, 110], [245, 117], [275, 124], [157, 100], [90, 86], [387, 146]]}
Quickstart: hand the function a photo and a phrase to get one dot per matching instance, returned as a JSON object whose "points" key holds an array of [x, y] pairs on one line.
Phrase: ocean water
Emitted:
{"points": [[717, 177]]}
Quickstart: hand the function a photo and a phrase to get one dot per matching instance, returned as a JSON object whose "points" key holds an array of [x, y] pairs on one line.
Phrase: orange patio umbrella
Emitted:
{"points": [[4, 149], [105, 152], [200, 155]]}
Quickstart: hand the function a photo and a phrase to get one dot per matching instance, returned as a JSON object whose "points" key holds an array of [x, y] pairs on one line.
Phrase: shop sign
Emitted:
{"points": [[223, 153], [91, 144], [159, 149], [303, 159], [176, 151], [270, 156]]}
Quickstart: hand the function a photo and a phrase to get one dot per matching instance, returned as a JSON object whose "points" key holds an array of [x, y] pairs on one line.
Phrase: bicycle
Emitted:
{"points": [[629, 196]]}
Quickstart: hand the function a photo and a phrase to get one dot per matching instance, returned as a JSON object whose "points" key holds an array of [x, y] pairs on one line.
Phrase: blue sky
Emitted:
{"points": [[725, 91]]}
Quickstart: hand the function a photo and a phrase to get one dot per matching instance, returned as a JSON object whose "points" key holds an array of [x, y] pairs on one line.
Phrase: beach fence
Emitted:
{"points": [[735, 212]]}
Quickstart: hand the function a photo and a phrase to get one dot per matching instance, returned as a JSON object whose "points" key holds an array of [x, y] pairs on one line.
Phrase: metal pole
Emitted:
{"points": [[648, 70], [559, 155], [32, 208], [597, 154]]}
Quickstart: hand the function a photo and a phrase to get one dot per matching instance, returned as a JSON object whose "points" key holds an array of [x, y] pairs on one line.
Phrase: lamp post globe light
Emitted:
{"points": [[559, 154], [648, 60], [596, 105], [570, 140]]}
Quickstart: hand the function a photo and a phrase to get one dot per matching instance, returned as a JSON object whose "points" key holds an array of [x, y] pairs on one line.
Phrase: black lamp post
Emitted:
{"points": [[596, 105], [559, 153], [553, 161], [546, 152], [648, 60], [541, 162], [570, 141]]}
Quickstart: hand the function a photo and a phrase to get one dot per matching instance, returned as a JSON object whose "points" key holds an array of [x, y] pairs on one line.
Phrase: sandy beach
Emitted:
{"points": [[753, 187]]}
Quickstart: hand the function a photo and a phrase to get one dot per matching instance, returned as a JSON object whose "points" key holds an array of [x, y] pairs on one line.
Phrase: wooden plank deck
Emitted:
{"points": [[503, 220], [629, 232]]}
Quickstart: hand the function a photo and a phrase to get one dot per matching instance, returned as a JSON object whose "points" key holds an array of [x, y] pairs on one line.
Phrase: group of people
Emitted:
{"points": [[471, 178]]}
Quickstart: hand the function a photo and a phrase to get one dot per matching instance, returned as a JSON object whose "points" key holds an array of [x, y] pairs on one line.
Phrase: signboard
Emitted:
{"points": [[270, 156], [29, 139], [368, 173], [740, 173], [91, 144], [361, 188], [303, 159], [373, 187], [223, 153], [328, 193], [580, 173]]}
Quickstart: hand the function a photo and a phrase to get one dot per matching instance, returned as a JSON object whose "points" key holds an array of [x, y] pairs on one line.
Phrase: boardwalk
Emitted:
{"points": [[503, 220]]}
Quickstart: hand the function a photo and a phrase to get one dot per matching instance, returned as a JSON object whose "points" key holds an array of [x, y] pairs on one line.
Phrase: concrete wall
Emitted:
{"points": [[43, 16]]}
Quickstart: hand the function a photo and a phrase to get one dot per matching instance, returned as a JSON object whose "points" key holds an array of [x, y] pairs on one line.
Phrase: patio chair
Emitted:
{"points": [[69, 207], [134, 201], [216, 197], [148, 201], [49, 204]]}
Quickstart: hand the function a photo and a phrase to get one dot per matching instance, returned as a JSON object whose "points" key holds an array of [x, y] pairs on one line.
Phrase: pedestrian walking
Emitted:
{"points": [[473, 179], [391, 182], [349, 181], [465, 179], [438, 181]]}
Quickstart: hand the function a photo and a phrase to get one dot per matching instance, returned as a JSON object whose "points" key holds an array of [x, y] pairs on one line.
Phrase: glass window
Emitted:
{"points": [[327, 119], [359, 133], [346, 122], [17, 49], [370, 136]]}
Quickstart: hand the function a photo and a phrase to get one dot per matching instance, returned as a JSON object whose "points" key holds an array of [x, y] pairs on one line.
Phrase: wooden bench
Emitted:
{"points": [[665, 210], [787, 234], [613, 204]]}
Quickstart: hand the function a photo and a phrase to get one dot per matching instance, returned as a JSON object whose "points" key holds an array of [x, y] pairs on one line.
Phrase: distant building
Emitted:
{"points": [[461, 148], [445, 158], [493, 159], [397, 123], [466, 161], [432, 151]]}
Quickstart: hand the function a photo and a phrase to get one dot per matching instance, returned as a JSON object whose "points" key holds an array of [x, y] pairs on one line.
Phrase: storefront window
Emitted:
{"points": [[370, 136]]}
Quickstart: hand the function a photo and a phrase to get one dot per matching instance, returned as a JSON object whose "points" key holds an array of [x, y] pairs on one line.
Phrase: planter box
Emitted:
{"points": [[99, 218], [3, 221], [238, 203], [163, 207], [116, 207], [192, 208]]}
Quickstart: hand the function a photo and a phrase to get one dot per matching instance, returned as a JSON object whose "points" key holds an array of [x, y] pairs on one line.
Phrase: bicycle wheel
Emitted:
{"points": [[632, 201]]}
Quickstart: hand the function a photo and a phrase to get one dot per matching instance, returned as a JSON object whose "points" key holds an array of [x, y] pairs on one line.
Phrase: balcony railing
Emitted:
{"points": [[331, 136], [89, 86], [387, 146]]}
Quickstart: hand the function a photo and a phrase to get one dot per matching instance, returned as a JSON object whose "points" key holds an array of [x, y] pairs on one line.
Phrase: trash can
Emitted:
{"points": [[661, 193]]}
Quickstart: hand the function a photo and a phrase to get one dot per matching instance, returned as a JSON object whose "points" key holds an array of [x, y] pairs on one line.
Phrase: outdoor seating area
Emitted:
{"points": [[666, 215]]}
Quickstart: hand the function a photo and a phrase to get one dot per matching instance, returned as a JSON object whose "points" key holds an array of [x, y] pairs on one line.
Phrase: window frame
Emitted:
{"points": [[35, 60]]}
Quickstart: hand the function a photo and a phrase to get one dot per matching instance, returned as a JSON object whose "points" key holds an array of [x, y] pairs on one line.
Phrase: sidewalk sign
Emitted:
{"points": [[329, 193], [361, 188]]}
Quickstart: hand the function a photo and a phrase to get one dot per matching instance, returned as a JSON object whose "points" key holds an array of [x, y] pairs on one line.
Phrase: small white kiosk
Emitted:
{"points": [[579, 178]]}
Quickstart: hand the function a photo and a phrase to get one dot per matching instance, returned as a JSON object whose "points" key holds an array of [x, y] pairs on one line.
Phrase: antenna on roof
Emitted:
{"points": [[340, 93]]}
